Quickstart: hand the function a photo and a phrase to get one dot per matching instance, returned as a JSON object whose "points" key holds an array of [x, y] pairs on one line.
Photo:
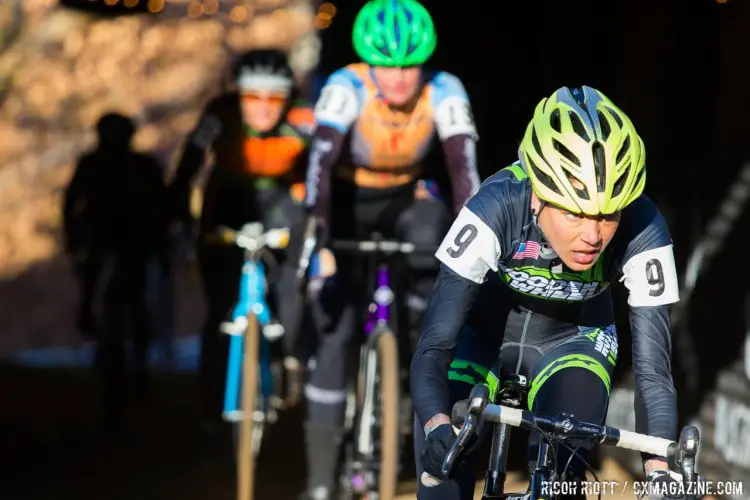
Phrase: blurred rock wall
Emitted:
{"points": [[60, 69]]}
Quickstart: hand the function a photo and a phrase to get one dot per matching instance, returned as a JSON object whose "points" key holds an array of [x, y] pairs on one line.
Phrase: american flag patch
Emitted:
{"points": [[528, 250]]}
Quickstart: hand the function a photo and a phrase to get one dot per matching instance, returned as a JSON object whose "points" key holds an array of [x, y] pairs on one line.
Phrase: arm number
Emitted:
{"points": [[463, 239], [328, 95], [467, 115], [655, 277]]}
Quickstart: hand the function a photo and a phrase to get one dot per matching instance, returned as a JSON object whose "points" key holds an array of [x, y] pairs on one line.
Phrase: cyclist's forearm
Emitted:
{"points": [[429, 383], [460, 158], [324, 153], [655, 395], [447, 309]]}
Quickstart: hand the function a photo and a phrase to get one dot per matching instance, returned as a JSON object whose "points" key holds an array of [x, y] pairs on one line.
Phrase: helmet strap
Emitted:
{"points": [[535, 216]]}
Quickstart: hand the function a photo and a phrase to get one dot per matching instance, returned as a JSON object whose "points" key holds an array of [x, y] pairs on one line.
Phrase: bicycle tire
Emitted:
{"points": [[251, 428], [386, 347], [258, 432]]}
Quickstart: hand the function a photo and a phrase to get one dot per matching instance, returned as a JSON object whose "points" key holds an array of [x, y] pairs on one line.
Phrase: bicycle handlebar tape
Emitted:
{"points": [[647, 444]]}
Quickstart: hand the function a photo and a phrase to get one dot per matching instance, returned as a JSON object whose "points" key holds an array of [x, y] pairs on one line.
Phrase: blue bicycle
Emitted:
{"points": [[250, 382]]}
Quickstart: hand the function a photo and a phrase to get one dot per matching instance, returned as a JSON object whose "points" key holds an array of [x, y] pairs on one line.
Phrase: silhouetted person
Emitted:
{"points": [[115, 226]]}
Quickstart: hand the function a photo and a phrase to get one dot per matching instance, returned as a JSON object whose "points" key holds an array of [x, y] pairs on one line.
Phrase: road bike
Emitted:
{"points": [[479, 408]]}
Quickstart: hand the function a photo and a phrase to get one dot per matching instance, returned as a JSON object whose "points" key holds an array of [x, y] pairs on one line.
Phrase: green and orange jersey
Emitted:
{"points": [[242, 156]]}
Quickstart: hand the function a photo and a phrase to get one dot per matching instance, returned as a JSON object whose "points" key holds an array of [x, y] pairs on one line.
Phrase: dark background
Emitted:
{"points": [[676, 67]]}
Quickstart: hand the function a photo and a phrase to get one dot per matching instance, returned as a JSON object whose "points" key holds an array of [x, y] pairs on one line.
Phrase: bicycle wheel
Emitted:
{"points": [[386, 392], [252, 424], [258, 428]]}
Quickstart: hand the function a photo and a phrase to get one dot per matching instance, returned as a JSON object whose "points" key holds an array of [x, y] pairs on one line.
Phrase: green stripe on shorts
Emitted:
{"points": [[569, 361]]}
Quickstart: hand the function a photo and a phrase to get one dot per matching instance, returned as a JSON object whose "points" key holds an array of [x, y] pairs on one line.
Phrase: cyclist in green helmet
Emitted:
{"points": [[376, 123], [525, 286]]}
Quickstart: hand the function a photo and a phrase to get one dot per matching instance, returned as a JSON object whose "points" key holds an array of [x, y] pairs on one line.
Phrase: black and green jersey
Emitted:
{"points": [[495, 244]]}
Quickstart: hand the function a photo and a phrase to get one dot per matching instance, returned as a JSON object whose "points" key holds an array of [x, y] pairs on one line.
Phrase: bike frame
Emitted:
{"points": [[383, 296], [376, 323], [252, 297]]}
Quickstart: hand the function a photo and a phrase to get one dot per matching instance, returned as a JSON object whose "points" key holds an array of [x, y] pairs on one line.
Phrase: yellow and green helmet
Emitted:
{"points": [[578, 134], [394, 33]]}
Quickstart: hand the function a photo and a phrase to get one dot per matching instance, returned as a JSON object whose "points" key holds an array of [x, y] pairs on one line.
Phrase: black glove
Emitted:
{"points": [[665, 484], [436, 447]]}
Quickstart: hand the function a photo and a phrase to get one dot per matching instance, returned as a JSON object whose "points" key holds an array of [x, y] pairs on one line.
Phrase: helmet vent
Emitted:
{"points": [[604, 124], [535, 141], [578, 127], [597, 151], [554, 121], [542, 177], [566, 153], [616, 116], [623, 150], [582, 192], [620, 184]]}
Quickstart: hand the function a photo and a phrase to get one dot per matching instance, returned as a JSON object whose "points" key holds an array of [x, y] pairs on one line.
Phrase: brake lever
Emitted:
{"points": [[686, 453], [478, 401]]}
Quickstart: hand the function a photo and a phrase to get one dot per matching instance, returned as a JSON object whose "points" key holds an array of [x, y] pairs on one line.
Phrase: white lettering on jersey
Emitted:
{"points": [[338, 106], [319, 148], [453, 117], [651, 278], [470, 249]]}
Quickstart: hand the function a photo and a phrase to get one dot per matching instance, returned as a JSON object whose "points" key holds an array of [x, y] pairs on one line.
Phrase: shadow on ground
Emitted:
{"points": [[55, 447]]}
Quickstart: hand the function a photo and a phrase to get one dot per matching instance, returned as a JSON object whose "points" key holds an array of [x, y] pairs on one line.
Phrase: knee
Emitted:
{"points": [[582, 392]]}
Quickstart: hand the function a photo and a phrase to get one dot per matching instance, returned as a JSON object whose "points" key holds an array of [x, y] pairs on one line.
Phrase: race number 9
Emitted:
{"points": [[463, 239], [655, 277]]}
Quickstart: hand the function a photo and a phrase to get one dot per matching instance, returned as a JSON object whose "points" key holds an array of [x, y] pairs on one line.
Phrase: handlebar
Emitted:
{"points": [[681, 454], [382, 246], [375, 245], [251, 237]]}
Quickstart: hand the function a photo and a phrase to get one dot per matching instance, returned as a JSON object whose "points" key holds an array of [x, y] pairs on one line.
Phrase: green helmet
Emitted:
{"points": [[582, 153], [394, 33]]}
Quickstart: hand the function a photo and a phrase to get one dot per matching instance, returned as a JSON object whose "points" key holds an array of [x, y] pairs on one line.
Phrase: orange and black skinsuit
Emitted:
{"points": [[254, 178]]}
